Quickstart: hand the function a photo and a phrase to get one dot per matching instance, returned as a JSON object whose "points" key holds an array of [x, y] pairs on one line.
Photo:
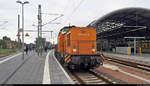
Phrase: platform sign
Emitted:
{"points": [[18, 34], [26, 34]]}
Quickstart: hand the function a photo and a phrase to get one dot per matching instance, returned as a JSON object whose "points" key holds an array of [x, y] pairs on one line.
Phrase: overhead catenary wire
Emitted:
{"points": [[57, 30], [74, 10], [65, 7], [63, 12], [51, 13], [3, 22], [52, 20]]}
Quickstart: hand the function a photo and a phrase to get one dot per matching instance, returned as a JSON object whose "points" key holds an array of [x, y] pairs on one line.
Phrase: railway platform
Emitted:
{"points": [[137, 58], [16, 70], [33, 69], [57, 73]]}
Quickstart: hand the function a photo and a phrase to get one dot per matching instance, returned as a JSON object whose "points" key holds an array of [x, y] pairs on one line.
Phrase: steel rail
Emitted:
{"points": [[129, 63], [81, 81]]}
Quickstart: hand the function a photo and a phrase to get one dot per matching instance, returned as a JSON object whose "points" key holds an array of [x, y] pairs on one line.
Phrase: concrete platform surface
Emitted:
{"points": [[57, 74], [19, 71], [33, 69], [143, 58]]}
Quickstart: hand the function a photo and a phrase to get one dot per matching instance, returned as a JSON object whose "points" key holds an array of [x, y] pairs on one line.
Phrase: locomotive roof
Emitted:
{"points": [[65, 29]]}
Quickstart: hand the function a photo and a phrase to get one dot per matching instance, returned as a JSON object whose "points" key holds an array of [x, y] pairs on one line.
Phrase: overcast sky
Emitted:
{"points": [[76, 12]]}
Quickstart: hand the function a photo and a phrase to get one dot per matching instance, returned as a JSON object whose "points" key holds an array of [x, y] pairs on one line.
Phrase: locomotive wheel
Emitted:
{"points": [[71, 67]]}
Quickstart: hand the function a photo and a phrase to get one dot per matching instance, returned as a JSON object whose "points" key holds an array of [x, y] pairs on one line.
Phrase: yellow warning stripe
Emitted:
{"points": [[102, 56], [65, 55], [67, 58]]}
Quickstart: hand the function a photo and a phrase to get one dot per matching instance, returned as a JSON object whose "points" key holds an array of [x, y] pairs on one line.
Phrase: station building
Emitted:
{"points": [[123, 31]]}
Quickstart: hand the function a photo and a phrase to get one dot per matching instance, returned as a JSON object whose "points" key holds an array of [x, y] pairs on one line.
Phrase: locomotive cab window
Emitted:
{"points": [[68, 40], [65, 31]]}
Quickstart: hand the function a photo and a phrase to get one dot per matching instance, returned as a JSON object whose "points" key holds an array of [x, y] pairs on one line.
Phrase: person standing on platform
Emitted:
{"points": [[27, 50], [45, 49]]}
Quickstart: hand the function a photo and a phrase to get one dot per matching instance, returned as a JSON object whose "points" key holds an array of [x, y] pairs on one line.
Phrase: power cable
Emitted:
{"points": [[3, 22], [51, 13], [65, 6], [75, 9], [53, 20]]}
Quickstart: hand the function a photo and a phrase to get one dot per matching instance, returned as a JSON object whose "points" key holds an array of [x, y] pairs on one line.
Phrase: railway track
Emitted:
{"points": [[90, 77], [3, 56], [129, 63]]}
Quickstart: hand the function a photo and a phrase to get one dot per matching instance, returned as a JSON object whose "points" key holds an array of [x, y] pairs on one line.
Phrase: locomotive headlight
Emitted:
{"points": [[93, 50], [74, 50]]}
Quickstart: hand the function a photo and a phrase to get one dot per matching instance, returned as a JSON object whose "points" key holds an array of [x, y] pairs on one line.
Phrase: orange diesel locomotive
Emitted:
{"points": [[77, 47]]}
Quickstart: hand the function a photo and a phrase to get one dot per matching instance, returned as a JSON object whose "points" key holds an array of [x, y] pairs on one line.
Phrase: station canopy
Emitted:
{"points": [[128, 22]]}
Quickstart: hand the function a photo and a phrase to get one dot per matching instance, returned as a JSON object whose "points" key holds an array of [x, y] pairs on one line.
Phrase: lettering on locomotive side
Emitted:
{"points": [[83, 34]]}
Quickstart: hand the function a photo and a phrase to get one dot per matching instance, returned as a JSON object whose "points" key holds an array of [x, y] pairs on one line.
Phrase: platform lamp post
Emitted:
{"points": [[22, 30]]}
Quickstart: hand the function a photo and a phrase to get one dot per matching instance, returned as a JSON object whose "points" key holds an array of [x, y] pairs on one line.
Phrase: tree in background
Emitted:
{"points": [[5, 38], [3, 42]]}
